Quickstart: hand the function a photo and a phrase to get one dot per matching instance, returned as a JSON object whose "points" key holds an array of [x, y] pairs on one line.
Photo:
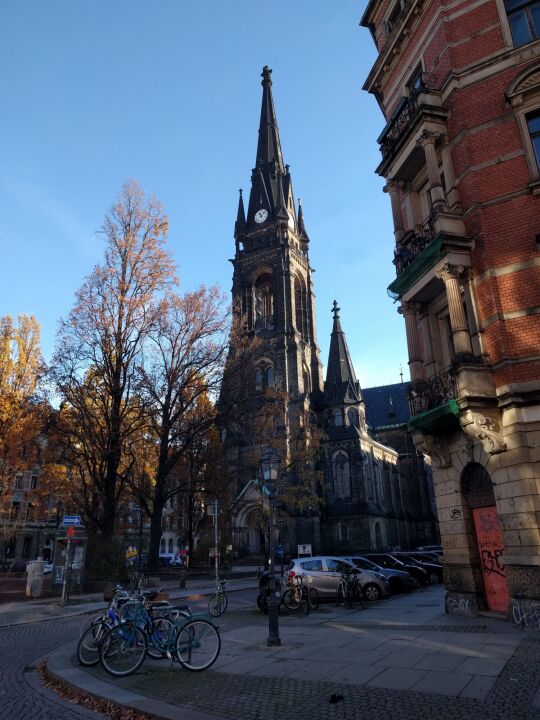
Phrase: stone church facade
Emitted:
{"points": [[359, 478]]}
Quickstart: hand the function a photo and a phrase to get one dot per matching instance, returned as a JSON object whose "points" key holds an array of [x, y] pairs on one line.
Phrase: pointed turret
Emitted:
{"points": [[240, 223], [341, 385], [301, 225]]}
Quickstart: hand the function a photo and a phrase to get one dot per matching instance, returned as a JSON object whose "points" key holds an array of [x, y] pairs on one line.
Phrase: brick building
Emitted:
{"points": [[459, 85], [360, 478]]}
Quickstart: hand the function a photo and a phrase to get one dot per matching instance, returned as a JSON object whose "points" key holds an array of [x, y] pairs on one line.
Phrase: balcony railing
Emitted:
{"points": [[400, 122], [412, 244], [429, 394]]}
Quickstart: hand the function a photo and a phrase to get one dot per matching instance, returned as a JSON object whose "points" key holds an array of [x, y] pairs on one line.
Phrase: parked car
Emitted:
{"points": [[433, 569], [166, 559], [437, 549], [390, 560], [325, 572], [398, 580]]}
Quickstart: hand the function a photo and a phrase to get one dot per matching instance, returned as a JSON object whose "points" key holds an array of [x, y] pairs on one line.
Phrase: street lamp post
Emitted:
{"points": [[269, 471]]}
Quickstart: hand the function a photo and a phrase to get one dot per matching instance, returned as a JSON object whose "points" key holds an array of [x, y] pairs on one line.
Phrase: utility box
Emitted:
{"points": [[69, 566], [34, 579]]}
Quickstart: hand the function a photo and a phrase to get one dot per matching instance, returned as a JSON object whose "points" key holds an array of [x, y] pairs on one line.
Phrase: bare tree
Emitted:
{"points": [[180, 376]]}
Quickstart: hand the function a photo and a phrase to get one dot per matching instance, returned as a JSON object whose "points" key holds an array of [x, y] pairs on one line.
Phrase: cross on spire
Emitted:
{"points": [[335, 310]]}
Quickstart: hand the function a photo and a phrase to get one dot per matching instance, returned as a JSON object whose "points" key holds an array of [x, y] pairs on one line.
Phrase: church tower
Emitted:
{"points": [[272, 290]]}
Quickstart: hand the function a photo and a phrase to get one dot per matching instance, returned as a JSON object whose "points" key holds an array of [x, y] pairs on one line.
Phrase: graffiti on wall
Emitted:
{"points": [[491, 551], [459, 605], [526, 614]]}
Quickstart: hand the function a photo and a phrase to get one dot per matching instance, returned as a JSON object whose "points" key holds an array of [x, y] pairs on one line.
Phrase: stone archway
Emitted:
{"points": [[477, 489], [248, 538]]}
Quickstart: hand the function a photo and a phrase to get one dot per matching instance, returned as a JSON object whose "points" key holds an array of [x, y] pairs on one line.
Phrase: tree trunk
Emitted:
{"points": [[155, 534]]}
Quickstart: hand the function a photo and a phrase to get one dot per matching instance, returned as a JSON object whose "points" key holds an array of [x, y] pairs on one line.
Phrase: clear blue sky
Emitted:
{"points": [[168, 92]]}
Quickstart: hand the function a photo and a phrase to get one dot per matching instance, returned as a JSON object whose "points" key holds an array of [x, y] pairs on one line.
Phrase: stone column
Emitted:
{"points": [[392, 188], [449, 178], [408, 310], [427, 141], [449, 274]]}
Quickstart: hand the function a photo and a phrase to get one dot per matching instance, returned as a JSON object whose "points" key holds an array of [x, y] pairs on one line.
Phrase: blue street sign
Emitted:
{"points": [[71, 520]]}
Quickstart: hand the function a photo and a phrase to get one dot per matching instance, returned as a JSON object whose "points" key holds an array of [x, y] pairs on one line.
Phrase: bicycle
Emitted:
{"points": [[194, 642], [218, 602], [299, 595], [350, 590]]}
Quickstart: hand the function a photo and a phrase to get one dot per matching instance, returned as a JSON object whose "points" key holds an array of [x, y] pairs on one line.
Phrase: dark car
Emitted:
{"points": [[399, 580], [433, 569], [389, 560]]}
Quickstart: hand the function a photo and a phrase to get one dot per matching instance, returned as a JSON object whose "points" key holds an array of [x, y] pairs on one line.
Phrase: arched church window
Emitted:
{"points": [[338, 418], [352, 416], [305, 381], [341, 475], [300, 304], [264, 376], [170, 545], [162, 545], [343, 530], [264, 302]]}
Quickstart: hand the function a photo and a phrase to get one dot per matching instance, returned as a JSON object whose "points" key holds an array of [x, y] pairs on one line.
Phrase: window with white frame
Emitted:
{"points": [[264, 376]]}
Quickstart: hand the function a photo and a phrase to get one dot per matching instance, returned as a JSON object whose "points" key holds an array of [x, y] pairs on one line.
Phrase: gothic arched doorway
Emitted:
{"points": [[478, 492]]}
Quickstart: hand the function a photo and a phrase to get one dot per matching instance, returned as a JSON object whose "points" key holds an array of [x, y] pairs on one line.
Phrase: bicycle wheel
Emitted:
{"points": [[262, 602], [88, 645], [217, 604], [349, 597], [304, 600], [290, 599], [197, 645], [122, 650], [314, 599], [158, 638]]}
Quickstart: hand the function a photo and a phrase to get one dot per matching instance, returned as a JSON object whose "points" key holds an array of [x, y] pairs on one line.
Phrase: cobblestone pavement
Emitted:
{"points": [[261, 698], [21, 697]]}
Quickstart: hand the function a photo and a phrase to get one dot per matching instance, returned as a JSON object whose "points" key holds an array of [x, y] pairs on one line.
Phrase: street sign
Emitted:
{"points": [[71, 520], [70, 532], [304, 550]]}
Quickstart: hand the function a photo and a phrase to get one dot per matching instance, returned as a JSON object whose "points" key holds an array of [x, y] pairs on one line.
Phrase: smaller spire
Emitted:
{"points": [[335, 313], [301, 225], [241, 215], [281, 204]]}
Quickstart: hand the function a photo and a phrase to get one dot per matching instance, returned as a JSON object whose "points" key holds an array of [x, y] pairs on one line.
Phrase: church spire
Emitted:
{"points": [[240, 215], [269, 146], [270, 181], [301, 225], [341, 385]]}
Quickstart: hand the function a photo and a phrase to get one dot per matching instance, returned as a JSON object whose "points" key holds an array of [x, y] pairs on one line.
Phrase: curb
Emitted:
{"points": [[61, 668]]}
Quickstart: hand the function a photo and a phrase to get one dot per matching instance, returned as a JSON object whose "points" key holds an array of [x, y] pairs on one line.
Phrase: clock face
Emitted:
{"points": [[261, 215]]}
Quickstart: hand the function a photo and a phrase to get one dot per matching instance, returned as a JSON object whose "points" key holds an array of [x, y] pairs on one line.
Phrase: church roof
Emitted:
{"points": [[341, 385], [387, 405]]}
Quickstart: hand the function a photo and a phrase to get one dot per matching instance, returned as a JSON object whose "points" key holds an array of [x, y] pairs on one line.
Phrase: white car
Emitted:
{"points": [[325, 573]]}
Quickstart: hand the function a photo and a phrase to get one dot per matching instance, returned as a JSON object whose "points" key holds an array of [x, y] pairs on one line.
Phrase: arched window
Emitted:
{"points": [[341, 475], [264, 302], [170, 545], [352, 416], [338, 418], [264, 376], [378, 537], [343, 531], [305, 381], [300, 304], [162, 545]]}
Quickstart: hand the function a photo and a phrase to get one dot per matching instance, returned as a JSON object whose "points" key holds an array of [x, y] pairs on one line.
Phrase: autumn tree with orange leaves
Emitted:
{"points": [[99, 348]]}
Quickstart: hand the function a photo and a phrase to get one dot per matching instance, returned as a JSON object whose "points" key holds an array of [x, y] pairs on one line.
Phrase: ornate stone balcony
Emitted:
{"points": [[422, 109], [412, 244], [428, 394]]}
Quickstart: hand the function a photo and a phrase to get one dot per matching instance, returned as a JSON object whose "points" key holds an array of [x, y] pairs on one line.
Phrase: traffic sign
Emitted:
{"points": [[71, 520], [70, 532]]}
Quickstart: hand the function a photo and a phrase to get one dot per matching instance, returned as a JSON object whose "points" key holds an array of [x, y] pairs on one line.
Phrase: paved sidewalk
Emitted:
{"points": [[401, 658], [28, 611]]}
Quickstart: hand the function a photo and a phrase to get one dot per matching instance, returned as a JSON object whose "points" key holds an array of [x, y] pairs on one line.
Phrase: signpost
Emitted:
{"points": [[304, 550], [71, 520], [70, 533]]}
